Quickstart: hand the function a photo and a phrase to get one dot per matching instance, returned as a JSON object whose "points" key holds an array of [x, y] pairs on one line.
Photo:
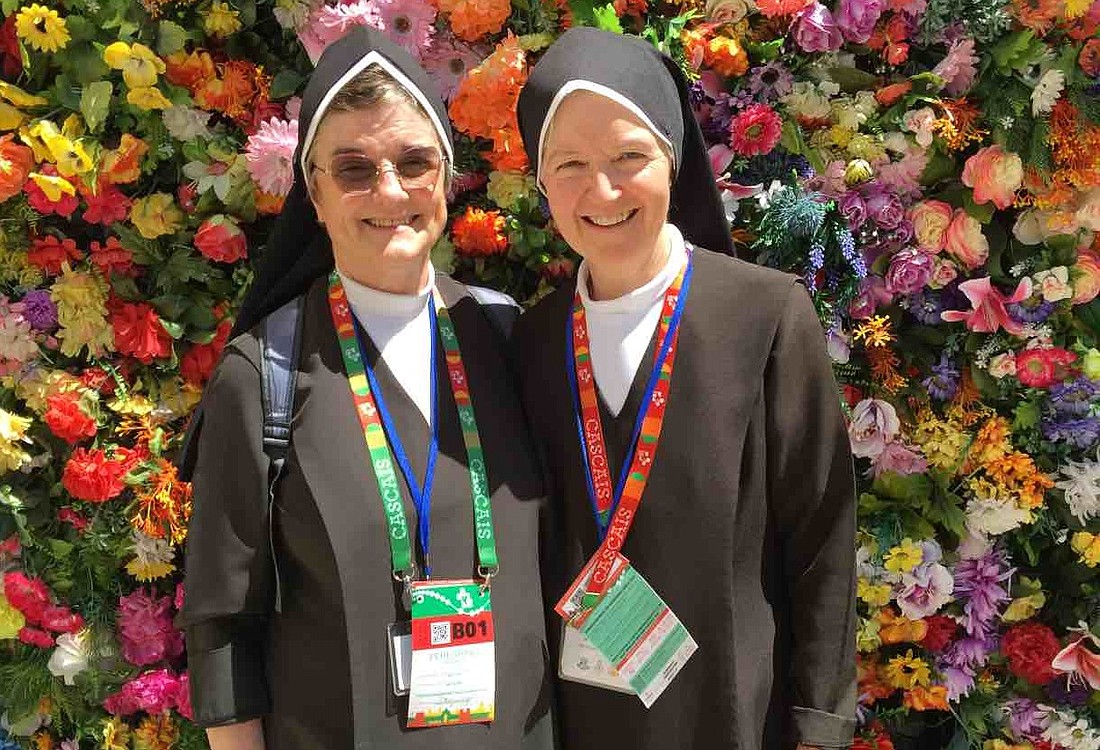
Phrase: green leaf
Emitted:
{"points": [[171, 37], [851, 79], [913, 489], [80, 29], [1026, 415], [1090, 314], [175, 330], [10, 6], [285, 83], [1011, 48], [607, 19], [948, 511], [95, 103], [60, 548], [940, 167], [983, 212]]}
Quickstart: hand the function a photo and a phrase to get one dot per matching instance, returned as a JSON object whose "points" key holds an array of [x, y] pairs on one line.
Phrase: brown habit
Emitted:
{"points": [[317, 672], [746, 527]]}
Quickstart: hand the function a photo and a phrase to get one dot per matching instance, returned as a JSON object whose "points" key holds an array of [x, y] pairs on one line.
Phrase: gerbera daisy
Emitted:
{"points": [[41, 28], [410, 23], [270, 155], [756, 130], [448, 61], [771, 81]]}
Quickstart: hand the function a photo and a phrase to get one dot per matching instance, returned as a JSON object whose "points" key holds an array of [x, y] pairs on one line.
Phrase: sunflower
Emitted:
{"points": [[41, 28]]}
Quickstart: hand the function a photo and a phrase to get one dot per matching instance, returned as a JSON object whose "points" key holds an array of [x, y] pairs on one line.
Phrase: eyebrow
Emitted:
{"points": [[405, 149]]}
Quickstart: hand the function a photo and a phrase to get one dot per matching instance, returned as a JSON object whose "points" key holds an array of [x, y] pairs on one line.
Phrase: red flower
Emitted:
{"points": [[220, 239], [36, 637], [113, 258], [1042, 368], [941, 631], [756, 130], [48, 253], [107, 205], [199, 361], [74, 519], [874, 738], [98, 379], [89, 475], [67, 420], [16, 162], [1030, 648], [28, 595], [186, 194], [62, 620], [479, 232], [41, 203], [10, 547], [11, 62], [138, 331], [1089, 59]]}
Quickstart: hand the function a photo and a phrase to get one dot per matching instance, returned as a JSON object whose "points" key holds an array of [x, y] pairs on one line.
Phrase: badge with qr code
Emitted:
{"points": [[453, 679]]}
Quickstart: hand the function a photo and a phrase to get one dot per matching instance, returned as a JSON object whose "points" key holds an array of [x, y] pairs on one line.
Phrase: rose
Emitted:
{"points": [[920, 122], [220, 239], [885, 209], [943, 274], [1002, 365], [720, 12], [872, 295], [964, 240], [931, 219], [874, 424], [815, 30], [857, 18], [1030, 648], [941, 631], [995, 175], [1089, 59], [853, 209], [925, 590], [1086, 277], [910, 269], [1053, 283]]}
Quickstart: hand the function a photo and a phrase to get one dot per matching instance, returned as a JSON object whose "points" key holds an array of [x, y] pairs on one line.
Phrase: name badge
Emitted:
{"points": [[453, 674], [631, 627], [582, 662]]}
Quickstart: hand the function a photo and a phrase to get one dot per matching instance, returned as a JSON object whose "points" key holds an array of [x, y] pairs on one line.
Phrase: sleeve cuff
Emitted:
{"points": [[820, 728], [227, 685]]}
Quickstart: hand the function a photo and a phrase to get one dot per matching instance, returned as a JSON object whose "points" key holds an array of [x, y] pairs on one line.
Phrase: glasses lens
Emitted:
{"points": [[353, 173], [418, 169]]}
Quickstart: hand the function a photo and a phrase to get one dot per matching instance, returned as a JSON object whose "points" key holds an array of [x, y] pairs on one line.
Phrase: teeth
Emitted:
{"points": [[610, 221], [386, 223]]}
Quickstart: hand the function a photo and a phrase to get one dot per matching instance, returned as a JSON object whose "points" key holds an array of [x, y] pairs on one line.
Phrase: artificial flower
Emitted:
{"points": [[145, 628], [874, 423], [478, 232], [71, 656], [726, 56], [220, 20], [995, 175], [1047, 91], [755, 131], [67, 419], [931, 219], [1053, 283], [1030, 648], [908, 671], [220, 239], [270, 155], [122, 165], [156, 215], [11, 619], [1079, 661], [410, 23], [138, 331], [91, 476], [815, 30], [42, 28], [148, 98], [152, 557], [988, 313], [16, 163], [1081, 485], [13, 435], [140, 66]]}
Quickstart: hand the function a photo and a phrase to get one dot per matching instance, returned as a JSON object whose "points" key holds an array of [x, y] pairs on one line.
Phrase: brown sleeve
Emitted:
{"points": [[813, 498], [229, 582]]}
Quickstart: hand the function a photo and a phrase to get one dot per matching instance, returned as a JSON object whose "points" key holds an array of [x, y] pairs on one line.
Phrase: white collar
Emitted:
{"points": [[367, 301], [644, 296]]}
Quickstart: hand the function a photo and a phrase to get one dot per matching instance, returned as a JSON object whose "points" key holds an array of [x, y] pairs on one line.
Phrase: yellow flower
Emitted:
{"points": [[1002, 745], [10, 117], [904, 557], [941, 442], [862, 146], [81, 300], [221, 20], [907, 672], [53, 187], [1076, 8], [116, 734], [867, 637], [19, 97], [69, 155], [1091, 364], [41, 28], [148, 98], [506, 188], [36, 384], [535, 42], [156, 215], [140, 66], [1024, 607], [11, 619], [874, 595], [1087, 546], [178, 400], [134, 404], [13, 433]]}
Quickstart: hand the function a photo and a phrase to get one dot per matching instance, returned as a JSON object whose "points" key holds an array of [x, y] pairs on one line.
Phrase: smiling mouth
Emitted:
{"points": [[611, 221], [389, 223]]}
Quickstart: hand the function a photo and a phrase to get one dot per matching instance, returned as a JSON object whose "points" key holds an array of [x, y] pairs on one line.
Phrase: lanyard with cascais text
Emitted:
{"points": [[614, 510], [374, 418]]}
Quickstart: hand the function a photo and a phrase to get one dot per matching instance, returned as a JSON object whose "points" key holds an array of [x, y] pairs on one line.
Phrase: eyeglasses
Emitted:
{"points": [[355, 173]]}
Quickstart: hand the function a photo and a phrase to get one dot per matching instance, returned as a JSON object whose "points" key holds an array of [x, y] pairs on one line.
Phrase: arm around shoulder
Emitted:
{"points": [[812, 495]]}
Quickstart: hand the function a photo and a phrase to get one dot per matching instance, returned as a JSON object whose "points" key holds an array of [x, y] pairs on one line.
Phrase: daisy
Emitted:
{"points": [[410, 23], [771, 81], [1047, 91], [1081, 484], [756, 130], [41, 28], [270, 155], [448, 61]]}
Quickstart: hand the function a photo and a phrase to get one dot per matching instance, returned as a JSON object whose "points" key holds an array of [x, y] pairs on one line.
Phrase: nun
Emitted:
{"points": [[693, 433], [387, 595]]}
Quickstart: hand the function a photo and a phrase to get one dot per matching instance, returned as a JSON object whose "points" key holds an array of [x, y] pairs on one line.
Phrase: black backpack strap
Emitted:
{"points": [[279, 347]]}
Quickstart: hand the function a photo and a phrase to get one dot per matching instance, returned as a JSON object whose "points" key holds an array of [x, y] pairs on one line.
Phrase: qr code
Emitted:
{"points": [[441, 633]]}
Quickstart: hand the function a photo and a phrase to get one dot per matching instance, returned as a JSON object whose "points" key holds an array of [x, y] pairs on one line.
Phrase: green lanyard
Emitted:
{"points": [[381, 458]]}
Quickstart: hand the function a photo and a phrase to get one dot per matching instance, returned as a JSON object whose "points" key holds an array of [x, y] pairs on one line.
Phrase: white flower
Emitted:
{"points": [[1054, 283], [920, 122], [1082, 488], [187, 123], [1047, 91], [805, 99], [291, 14], [1067, 730], [70, 658], [1002, 365], [152, 557], [991, 516]]}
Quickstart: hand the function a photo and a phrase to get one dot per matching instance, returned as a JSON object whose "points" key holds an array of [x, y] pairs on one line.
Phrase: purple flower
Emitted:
{"points": [[943, 383], [925, 590], [1075, 695], [39, 310], [978, 584], [1025, 719], [1081, 433], [853, 208], [925, 306], [958, 681], [910, 269], [815, 30], [1073, 398], [872, 295], [771, 81], [857, 18], [1032, 310], [885, 209]]}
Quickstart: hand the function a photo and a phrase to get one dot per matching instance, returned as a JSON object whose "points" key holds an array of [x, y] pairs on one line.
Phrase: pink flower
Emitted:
{"points": [[448, 61], [756, 130], [930, 221], [1079, 662], [910, 269], [152, 692], [903, 176], [270, 155], [959, 68], [900, 459], [857, 18], [410, 23], [944, 273], [183, 697], [988, 311], [145, 629], [1086, 277], [925, 590], [872, 295], [327, 23], [995, 175], [965, 241], [874, 425], [815, 30]]}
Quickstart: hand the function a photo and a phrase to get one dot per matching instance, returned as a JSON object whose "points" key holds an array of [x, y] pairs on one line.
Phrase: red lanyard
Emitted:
{"points": [[622, 505]]}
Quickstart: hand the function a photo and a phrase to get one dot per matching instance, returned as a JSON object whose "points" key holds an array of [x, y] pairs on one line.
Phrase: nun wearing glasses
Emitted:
{"points": [[693, 433], [387, 595]]}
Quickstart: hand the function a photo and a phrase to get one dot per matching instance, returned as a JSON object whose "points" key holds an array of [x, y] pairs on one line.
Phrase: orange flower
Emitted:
{"points": [[726, 57], [695, 47], [932, 698], [123, 164], [473, 19], [1089, 59], [233, 91], [888, 95], [773, 8], [189, 70], [508, 154], [636, 8], [479, 232], [871, 683], [898, 629], [990, 444], [268, 204], [163, 505], [959, 124], [1016, 473], [485, 104], [1037, 15], [16, 162]]}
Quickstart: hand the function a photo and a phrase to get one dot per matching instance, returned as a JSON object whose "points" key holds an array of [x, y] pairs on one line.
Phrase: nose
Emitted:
{"points": [[605, 187], [389, 185]]}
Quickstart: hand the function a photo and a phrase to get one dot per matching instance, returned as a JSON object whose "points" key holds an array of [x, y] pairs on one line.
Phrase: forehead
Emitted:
{"points": [[384, 126], [587, 119]]}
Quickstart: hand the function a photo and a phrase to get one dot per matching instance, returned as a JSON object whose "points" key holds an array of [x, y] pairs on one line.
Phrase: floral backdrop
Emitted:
{"points": [[930, 167]]}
